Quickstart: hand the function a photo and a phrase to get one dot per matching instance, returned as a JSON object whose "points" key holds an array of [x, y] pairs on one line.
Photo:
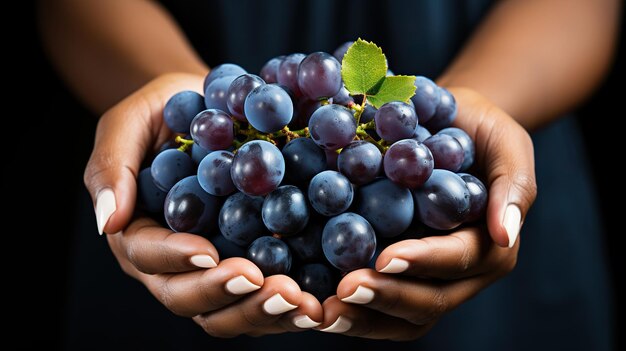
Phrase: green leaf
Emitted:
{"points": [[393, 88], [363, 68]]}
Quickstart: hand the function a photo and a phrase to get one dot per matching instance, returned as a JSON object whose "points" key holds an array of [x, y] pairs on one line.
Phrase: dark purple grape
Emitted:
{"points": [[426, 99], [466, 142], [348, 241], [478, 197], [420, 134], [344, 98], [395, 121], [408, 163], [270, 69], [443, 202], [288, 73], [240, 219], [304, 109], [271, 255], [332, 127], [190, 209], [316, 279], [386, 206], [227, 248], [169, 167], [307, 245], [285, 211], [303, 160], [447, 152], [216, 94], [331, 160], [180, 110], [445, 113], [214, 173], [368, 113], [223, 70], [319, 76], [213, 130], [258, 168], [237, 93], [330, 193], [268, 108], [341, 50], [149, 197], [360, 161]]}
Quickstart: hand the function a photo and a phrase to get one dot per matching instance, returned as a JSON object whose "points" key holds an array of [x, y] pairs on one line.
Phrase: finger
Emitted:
{"points": [[354, 320], [464, 253], [419, 302], [505, 151], [153, 249], [192, 293], [309, 314], [278, 295]]}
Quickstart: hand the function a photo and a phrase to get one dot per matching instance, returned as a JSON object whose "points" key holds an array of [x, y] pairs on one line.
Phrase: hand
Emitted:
{"points": [[417, 281], [183, 271]]}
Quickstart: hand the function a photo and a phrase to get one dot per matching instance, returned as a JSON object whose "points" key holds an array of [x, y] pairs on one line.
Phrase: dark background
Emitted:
{"points": [[42, 181]]}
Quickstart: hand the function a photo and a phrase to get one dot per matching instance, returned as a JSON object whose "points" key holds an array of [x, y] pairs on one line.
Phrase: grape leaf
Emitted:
{"points": [[363, 68], [393, 88]]}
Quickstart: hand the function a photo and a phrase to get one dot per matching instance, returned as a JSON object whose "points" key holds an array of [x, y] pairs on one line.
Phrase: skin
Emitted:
{"points": [[520, 70]]}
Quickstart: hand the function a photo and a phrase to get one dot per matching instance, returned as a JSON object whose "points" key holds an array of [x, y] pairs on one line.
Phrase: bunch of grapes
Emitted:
{"points": [[292, 172]]}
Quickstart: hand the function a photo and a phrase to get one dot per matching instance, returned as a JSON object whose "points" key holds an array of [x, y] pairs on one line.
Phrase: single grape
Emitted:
{"points": [[360, 162], [227, 248], [169, 167], [368, 113], [180, 110], [307, 245], [344, 98], [214, 173], [304, 108], [268, 108], [447, 152], [316, 279], [285, 211], [240, 219], [303, 160], [288, 73], [443, 202], [348, 241], [445, 113], [330, 193], [420, 134], [213, 130], [478, 197], [216, 94], [198, 153], [319, 76], [223, 70], [190, 209], [466, 142], [237, 93], [271, 255], [386, 206], [258, 168], [149, 197], [408, 163], [341, 50], [395, 121], [426, 99], [332, 127], [270, 69]]}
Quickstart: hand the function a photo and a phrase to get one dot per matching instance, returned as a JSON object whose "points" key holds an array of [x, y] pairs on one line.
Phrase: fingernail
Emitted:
{"points": [[361, 296], [341, 325], [512, 221], [239, 285], [203, 261], [396, 265], [105, 206], [304, 322], [277, 305]]}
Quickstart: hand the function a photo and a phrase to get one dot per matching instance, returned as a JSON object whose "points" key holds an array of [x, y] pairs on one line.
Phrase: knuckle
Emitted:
{"points": [[525, 184], [165, 295], [439, 305]]}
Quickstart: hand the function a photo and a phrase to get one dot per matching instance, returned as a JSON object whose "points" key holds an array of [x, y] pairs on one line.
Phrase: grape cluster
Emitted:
{"points": [[290, 171]]}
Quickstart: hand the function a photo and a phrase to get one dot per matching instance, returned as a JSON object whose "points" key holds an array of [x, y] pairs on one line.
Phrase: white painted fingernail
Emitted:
{"points": [[203, 261], [105, 206], [277, 305], [396, 265], [361, 296], [304, 322], [239, 285], [341, 325], [512, 222]]}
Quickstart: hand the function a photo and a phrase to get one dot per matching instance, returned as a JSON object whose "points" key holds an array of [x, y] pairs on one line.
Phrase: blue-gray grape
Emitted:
{"points": [[466, 142], [426, 99], [395, 121], [408, 163], [240, 219], [478, 197], [188, 208], [443, 202], [330, 193], [214, 173], [316, 279], [348, 241], [223, 70], [285, 211], [216, 93], [169, 167], [237, 93], [271, 255], [268, 108], [332, 127], [303, 160], [180, 110], [319, 76], [149, 197], [360, 161], [447, 152], [387, 206]]}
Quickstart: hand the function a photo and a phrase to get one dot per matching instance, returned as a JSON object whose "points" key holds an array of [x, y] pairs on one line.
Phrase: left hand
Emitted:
{"points": [[417, 281]]}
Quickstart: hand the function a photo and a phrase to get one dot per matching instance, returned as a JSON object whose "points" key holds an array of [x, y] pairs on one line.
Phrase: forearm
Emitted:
{"points": [[538, 58], [107, 49]]}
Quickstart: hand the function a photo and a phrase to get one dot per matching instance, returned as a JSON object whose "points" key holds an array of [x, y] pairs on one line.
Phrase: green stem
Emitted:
{"points": [[379, 144], [360, 109], [185, 144]]}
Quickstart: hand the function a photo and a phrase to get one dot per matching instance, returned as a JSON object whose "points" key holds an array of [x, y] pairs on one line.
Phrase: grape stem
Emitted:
{"points": [[379, 144], [359, 109], [185, 144]]}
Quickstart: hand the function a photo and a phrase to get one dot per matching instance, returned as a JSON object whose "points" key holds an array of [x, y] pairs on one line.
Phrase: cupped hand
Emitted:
{"points": [[183, 271], [417, 281]]}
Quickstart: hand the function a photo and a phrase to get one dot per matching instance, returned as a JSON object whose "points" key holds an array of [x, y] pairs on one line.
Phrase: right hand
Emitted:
{"points": [[183, 271]]}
